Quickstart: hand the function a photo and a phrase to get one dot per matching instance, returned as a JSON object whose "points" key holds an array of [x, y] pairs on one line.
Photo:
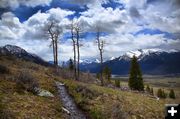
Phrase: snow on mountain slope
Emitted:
{"points": [[140, 54], [21, 53]]}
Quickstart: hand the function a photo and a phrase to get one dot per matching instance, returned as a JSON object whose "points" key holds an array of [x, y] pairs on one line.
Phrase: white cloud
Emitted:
{"points": [[121, 24], [16, 3], [120, 43], [10, 27], [30, 34]]}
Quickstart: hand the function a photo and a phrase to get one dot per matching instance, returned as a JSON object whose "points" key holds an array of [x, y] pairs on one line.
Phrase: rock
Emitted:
{"points": [[65, 110], [59, 83], [43, 93]]}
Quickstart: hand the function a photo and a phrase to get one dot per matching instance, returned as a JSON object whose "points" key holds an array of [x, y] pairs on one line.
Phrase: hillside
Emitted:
{"points": [[25, 104], [12, 50], [96, 101]]}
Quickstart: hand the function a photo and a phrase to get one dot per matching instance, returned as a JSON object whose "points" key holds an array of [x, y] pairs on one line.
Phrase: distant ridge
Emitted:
{"points": [[12, 50], [152, 61]]}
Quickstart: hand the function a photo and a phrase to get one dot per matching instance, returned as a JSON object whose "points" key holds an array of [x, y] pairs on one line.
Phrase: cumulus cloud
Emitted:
{"points": [[10, 27], [107, 19], [16, 3], [36, 25], [118, 43], [30, 35], [120, 24]]}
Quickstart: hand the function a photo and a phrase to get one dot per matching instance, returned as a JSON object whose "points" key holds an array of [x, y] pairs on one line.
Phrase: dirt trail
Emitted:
{"points": [[68, 103]]}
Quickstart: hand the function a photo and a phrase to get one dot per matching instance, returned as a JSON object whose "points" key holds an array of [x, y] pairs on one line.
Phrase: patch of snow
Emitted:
{"points": [[97, 61], [14, 49], [112, 58]]}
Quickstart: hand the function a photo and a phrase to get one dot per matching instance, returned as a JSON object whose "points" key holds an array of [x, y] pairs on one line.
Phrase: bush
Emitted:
{"points": [[172, 94], [3, 69], [161, 93], [27, 82], [164, 95], [148, 89], [117, 83], [151, 91]]}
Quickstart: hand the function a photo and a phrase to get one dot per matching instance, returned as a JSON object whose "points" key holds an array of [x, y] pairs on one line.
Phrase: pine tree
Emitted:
{"points": [[159, 93], [135, 78], [148, 89], [71, 65], [117, 83], [97, 75], [151, 91], [107, 73], [172, 94], [164, 95]]}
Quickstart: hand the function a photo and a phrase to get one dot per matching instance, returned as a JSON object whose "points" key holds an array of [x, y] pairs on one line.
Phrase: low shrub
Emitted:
{"points": [[172, 94], [161, 93], [148, 89], [117, 83], [26, 82], [151, 91], [3, 69]]}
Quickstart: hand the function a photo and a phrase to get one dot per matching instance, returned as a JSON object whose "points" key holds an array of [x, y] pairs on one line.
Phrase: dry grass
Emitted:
{"points": [[99, 102], [27, 105], [104, 103]]}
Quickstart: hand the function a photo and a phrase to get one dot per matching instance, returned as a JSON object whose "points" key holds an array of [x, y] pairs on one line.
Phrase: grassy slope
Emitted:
{"points": [[161, 82], [26, 104], [99, 102], [107, 103]]}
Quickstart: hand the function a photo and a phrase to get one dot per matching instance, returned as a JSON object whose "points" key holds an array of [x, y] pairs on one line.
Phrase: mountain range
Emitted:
{"points": [[152, 61]]}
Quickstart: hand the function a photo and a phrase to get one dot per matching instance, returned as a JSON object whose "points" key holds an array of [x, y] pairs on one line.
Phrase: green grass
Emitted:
{"points": [[160, 82], [106, 103]]}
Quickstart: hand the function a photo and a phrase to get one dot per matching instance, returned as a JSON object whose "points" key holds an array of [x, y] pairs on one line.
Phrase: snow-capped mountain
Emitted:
{"points": [[12, 50], [152, 61], [89, 61], [140, 54], [112, 58]]}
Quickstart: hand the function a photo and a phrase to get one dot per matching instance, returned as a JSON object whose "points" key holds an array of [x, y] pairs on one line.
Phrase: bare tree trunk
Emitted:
{"points": [[102, 82], [56, 52], [54, 32], [74, 50], [100, 47], [75, 70], [78, 53]]}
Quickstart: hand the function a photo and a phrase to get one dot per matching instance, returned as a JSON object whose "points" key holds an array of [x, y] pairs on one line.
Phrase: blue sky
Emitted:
{"points": [[125, 24]]}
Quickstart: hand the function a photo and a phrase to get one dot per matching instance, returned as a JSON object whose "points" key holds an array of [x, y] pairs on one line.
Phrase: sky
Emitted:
{"points": [[126, 25]]}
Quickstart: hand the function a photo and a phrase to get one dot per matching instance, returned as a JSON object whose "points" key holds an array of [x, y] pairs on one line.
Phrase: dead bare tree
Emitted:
{"points": [[58, 31], [54, 32], [75, 36], [51, 34], [100, 44], [74, 48], [77, 31]]}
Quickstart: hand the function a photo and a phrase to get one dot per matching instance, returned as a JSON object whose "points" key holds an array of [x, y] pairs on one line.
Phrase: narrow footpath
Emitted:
{"points": [[69, 105]]}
